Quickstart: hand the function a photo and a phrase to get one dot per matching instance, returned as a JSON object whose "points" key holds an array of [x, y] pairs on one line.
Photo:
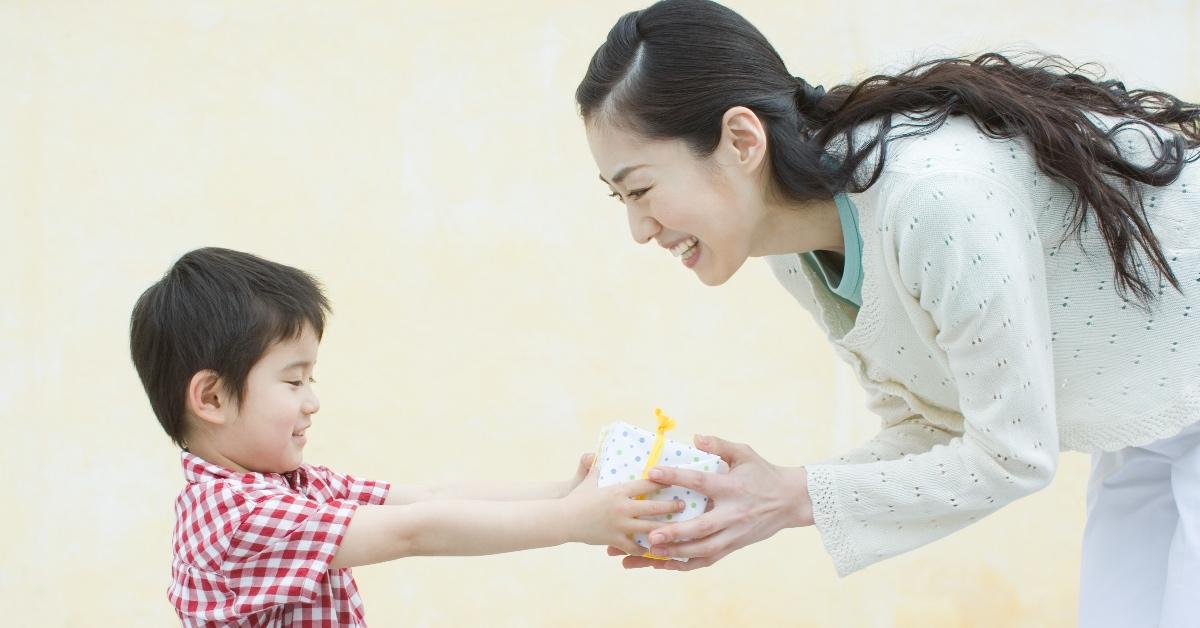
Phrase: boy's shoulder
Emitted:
{"points": [[213, 484]]}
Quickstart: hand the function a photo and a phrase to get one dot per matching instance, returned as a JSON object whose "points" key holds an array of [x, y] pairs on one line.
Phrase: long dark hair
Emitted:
{"points": [[672, 70]]}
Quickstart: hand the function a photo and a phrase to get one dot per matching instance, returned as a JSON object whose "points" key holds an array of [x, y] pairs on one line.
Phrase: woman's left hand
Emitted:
{"points": [[752, 502]]}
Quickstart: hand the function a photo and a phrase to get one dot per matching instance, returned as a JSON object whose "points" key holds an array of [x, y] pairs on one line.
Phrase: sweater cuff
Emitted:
{"points": [[829, 519]]}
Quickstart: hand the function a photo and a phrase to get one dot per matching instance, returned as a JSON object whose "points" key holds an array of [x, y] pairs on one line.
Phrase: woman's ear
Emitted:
{"points": [[743, 139], [206, 398]]}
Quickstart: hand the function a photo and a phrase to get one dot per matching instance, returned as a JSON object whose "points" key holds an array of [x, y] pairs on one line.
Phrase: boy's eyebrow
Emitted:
{"points": [[298, 364]]}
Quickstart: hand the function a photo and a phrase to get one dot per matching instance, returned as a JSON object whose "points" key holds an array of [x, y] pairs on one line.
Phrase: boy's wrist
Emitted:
{"points": [[564, 517]]}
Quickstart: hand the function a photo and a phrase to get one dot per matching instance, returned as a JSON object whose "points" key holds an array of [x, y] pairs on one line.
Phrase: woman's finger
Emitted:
{"points": [[732, 453], [698, 528], [703, 482], [628, 546], [712, 545]]}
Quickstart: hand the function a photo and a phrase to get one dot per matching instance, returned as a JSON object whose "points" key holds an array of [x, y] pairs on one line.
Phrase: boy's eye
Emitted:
{"points": [[300, 382]]}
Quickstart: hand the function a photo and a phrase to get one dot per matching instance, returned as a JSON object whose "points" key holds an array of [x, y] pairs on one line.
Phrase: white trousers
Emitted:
{"points": [[1141, 544]]}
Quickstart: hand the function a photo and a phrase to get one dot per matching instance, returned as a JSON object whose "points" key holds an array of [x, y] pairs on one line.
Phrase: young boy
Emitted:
{"points": [[225, 345]]}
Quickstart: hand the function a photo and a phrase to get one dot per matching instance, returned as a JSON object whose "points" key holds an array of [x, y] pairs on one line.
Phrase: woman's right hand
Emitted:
{"points": [[610, 515], [752, 502]]}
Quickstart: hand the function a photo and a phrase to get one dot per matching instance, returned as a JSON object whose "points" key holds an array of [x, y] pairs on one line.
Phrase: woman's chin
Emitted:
{"points": [[713, 275]]}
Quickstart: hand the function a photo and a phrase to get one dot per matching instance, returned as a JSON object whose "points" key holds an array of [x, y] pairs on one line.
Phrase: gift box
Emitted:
{"points": [[627, 452]]}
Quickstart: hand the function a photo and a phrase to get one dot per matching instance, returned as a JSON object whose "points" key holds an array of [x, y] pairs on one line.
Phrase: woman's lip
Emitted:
{"points": [[691, 261]]}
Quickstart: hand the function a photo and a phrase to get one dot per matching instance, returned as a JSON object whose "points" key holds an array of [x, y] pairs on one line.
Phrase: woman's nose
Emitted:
{"points": [[642, 227]]}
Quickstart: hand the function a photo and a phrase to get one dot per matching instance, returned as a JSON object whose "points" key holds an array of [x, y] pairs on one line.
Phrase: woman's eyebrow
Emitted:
{"points": [[621, 174]]}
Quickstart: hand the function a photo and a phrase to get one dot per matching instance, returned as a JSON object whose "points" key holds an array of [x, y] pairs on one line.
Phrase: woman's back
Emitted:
{"points": [[1114, 362]]}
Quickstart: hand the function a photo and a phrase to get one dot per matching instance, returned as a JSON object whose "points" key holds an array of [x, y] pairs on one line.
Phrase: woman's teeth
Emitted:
{"points": [[684, 248]]}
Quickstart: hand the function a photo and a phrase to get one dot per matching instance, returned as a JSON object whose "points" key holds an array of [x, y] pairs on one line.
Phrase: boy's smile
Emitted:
{"points": [[268, 430]]}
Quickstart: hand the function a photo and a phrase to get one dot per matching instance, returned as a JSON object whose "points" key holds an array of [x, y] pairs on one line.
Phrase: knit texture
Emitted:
{"points": [[988, 339]]}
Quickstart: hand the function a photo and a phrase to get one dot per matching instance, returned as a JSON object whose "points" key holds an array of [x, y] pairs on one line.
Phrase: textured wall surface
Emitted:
{"points": [[491, 312]]}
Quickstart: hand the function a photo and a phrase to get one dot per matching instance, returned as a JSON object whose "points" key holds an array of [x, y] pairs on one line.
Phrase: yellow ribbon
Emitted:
{"points": [[660, 438]]}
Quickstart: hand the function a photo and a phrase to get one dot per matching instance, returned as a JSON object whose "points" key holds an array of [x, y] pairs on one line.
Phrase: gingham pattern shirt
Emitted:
{"points": [[253, 549]]}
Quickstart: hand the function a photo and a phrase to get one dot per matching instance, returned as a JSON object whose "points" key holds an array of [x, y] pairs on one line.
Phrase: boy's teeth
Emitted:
{"points": [[682, 247]]}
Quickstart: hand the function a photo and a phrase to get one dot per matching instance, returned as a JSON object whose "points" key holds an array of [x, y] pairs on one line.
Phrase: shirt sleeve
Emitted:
{"points": [[967, 252], [358, 490], [281, 551]]}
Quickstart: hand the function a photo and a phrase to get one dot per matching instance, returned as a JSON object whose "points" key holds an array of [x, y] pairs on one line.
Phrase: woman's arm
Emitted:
{"points": [[984, 291]]}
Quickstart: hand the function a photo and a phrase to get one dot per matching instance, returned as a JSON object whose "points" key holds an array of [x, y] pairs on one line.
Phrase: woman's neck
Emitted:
{"points": [[799, 227]]}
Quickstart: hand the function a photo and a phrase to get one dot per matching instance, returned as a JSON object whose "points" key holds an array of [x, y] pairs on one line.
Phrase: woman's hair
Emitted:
{"points": [[672, 70]]}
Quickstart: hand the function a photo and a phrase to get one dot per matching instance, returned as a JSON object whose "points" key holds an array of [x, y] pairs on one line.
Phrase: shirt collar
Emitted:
{"points": [[197, 470]]}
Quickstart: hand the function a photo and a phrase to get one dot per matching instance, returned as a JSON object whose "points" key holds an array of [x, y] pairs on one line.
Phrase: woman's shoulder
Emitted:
{"points": [[914, 159], [957, 144]]}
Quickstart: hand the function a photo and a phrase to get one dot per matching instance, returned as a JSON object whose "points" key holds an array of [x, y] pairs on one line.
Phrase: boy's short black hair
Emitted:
{"points": [[216, 309]]}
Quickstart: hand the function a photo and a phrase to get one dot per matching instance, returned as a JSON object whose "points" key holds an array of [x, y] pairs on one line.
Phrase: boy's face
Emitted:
{"points": [[266, 433]]}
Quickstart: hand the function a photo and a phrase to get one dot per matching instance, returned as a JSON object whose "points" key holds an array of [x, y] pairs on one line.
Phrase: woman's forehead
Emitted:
{"points": [[618, 149]]}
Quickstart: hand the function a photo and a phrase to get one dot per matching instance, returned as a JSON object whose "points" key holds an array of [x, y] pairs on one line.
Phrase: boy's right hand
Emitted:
{"points": [[609, 515]]}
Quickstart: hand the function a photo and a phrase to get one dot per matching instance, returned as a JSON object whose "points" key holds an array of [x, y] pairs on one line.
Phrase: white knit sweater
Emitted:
{"points": [[986, 343]]}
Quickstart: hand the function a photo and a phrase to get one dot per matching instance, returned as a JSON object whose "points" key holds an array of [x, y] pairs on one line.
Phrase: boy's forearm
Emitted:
{"points": [[472, 528], [500, 491], [452, 528], [486, 491]]}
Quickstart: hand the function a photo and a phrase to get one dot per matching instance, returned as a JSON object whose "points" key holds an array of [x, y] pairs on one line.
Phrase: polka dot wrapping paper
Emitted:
{"points": [[624, 450]]}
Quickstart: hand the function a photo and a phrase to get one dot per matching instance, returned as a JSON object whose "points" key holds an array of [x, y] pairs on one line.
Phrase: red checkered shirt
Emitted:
{"points": [[253, 549]]}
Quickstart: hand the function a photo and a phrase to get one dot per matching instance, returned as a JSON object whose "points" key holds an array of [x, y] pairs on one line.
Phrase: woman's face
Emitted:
{"points": [[703, 210]]}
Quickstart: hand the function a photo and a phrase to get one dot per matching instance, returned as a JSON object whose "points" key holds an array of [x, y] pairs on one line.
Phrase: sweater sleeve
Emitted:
{"points": [[965, 248], [904, 432]]}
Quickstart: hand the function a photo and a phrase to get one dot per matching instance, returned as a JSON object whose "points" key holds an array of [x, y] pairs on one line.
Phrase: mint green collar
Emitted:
{"points": [[849, 284]]}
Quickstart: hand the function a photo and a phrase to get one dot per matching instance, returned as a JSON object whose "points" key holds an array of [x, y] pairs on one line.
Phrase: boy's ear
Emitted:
{"points": [[206, 398]]}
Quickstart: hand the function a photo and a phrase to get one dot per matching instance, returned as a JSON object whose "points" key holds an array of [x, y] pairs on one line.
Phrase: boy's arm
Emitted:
{"points": [[589, 514], [490, 491]]}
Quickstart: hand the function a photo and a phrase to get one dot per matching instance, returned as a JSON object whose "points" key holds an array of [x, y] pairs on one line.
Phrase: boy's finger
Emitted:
{"points": [[615, 551], [644, 526], [640, 487], [593, 473], [653, 507], [585, 463]]}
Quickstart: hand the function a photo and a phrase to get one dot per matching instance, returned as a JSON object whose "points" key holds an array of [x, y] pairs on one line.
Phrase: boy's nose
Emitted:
{"points": [[311, 405]]}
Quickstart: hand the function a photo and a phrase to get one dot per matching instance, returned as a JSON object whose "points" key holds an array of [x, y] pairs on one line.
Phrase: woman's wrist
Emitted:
{"points": [[795, 480]]}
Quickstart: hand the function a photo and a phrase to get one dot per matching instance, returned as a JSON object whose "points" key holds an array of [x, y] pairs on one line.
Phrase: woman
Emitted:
{"points": [[1006, 254]]}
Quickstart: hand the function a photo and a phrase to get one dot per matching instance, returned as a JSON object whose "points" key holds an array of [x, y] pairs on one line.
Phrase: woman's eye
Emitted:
{"points": [[633, 194], [295, 382]]}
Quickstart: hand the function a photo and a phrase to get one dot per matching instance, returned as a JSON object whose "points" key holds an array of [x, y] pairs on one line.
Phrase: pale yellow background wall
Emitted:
{"points": [[425, 160]]}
